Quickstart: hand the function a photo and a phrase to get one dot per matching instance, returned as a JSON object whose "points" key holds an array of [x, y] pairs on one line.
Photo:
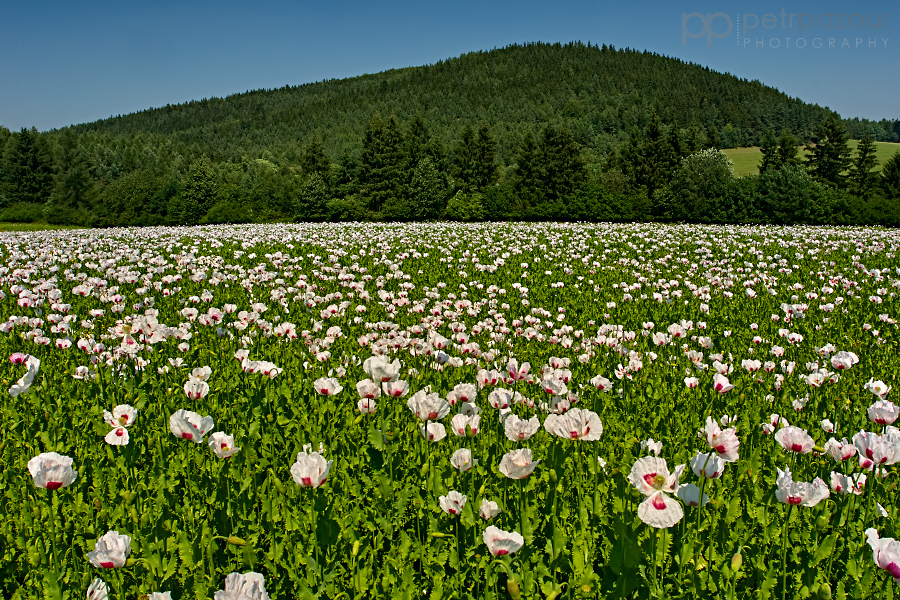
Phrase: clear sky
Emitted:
{"points": [[68, 62]]}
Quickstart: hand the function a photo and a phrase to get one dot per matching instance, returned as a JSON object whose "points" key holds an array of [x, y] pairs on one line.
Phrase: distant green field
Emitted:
{"points": [[746, 160], [34, 226]]}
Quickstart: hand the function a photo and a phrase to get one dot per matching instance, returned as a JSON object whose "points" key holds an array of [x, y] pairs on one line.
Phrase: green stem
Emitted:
{"points": [[55, 560], [784, 537]]}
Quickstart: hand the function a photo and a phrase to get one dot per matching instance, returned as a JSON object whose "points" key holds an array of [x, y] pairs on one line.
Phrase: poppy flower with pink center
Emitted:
{"points": [[459, 423], [516, 372], [885, 553], [721, 384], [519, 430], [52, 471], [880, 449], [708, 465], [500, 398], [575, 424], [310, 469], [189, 425], [518, 464], [117, 437], [883, 412], [327, 386], [368, 389], [650, 475], [428, 407], [795, 439], [723, 441], [433, 432], [111, 551], [380, 370], [395, 389], [602, 383], [848, 484], [452, 503], [840, 451], [122, 415], [222, 444], [796, 493], [502, 543]]}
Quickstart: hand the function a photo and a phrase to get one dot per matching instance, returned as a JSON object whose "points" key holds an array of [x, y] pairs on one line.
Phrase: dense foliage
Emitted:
{"points": [[561, 373], [533, 132]]}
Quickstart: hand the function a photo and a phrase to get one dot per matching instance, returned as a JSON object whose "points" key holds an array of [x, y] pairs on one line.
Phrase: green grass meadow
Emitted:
{"points": [[746, 160]]}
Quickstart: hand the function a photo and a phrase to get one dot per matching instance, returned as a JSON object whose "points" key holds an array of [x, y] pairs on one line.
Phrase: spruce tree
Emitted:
{"points": [[485, 171], [769, 148], [862, 174], [787, 150], [463, 161], [381, 164], [74, 187], [890, 177], [830, 157], [314, 160], [27, 168], [199, 192]]}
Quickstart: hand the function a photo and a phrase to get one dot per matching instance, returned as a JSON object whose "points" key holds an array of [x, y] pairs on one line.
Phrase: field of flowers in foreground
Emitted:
{"points": [[446, 411]]}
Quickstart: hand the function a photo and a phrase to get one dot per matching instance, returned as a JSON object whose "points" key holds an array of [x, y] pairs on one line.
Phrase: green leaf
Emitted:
{"points": [[375, 438], [826, 547]]}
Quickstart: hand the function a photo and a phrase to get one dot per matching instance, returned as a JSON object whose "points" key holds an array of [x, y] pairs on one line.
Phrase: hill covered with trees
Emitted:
{"points": [[534, 131]]}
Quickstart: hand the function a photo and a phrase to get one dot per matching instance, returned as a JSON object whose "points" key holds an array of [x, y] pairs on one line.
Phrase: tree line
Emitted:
{"points": [[403, 171]]}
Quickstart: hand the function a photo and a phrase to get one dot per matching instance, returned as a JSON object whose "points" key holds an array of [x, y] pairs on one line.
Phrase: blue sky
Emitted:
{"points": [[63, 63]]}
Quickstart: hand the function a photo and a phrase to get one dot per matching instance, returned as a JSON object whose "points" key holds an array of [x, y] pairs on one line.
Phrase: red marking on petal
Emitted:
{"points": [[893, 569], [659, 503], [797, 447], [187, 436], [53, 485], [107, 565]]}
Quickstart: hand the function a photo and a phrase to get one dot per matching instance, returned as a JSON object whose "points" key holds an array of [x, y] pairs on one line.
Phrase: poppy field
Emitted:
{"points": [[449, 411]]}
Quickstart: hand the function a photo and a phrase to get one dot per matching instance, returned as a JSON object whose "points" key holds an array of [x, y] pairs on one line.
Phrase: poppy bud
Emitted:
{"points": [[512, 586], [130, 562], [822, 522], [586, 591], [824, 591], [736, 561], [36, 512], [481, 490], [278, 485], [236, 541], [355, 550], [553, 476], [269, 417], [129, 496]]}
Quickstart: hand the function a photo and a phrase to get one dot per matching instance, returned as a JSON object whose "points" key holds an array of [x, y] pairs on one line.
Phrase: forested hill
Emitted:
{"points": [[599, 93], [535, 131]]}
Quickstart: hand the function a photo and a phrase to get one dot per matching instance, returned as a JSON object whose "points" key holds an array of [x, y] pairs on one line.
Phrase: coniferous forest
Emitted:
{"points": [[526, 132]]}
